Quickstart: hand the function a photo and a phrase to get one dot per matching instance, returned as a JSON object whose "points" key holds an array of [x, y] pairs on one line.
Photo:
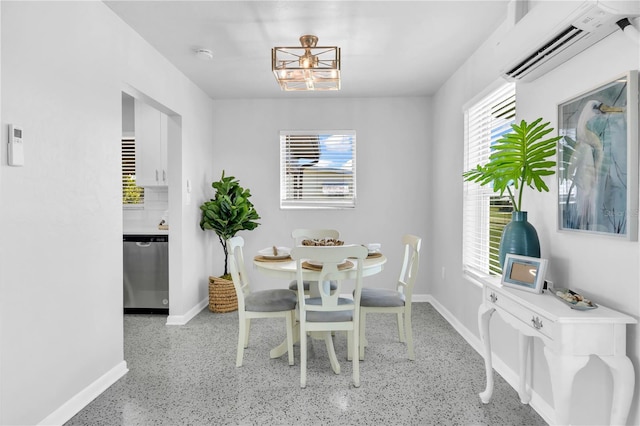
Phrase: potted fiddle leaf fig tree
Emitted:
{"points": [[228, 213], [519, 159]]}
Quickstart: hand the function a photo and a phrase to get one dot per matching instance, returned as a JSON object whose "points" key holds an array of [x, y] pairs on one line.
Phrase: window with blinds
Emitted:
{"points": [[317, 169], [131, 193], [485, 213]]}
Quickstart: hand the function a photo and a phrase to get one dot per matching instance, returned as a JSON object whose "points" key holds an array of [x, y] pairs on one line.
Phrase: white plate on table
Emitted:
{"points": [[374, 248], [267, 253]]}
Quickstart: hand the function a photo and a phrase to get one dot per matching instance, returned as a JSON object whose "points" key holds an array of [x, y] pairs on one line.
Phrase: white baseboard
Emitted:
{"points": [[183, 319], [420, 298], [80, 400], [537, 403], [84, 397]]}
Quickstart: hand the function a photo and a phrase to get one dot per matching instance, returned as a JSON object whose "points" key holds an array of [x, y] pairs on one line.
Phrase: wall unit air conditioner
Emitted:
{"points": [[553, 31]]}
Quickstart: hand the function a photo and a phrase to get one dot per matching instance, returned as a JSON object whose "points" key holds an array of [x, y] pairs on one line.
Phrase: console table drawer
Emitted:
{"points": [[530, 319]]}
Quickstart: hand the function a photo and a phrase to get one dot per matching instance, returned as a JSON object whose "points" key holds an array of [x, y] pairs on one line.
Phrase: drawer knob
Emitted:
{"points": [[493, 297], [537, 323]]}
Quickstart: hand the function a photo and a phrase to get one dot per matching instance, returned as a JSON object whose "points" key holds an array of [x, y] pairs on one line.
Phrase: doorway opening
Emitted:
{"points": [[151, 138]]}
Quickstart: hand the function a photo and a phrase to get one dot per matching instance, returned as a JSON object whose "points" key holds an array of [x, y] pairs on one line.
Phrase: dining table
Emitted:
{"points": [[284, 268]]}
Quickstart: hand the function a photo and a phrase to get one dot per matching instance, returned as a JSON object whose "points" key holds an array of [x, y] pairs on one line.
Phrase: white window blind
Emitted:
{"points": [[131, 193], [317, 169], [485, 213]]}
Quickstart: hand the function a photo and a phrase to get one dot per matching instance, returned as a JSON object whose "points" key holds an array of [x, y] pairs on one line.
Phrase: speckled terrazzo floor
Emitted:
{"points": [[187, 376]]}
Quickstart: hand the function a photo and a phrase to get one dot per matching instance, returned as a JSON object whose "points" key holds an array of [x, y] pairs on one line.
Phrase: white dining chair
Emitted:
{"points": [[396, 301], [302, 234], [259, 304], [329, 312]]}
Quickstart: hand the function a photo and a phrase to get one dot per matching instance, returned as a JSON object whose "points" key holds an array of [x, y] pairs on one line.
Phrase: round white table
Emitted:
{"points": [[287, 270]]}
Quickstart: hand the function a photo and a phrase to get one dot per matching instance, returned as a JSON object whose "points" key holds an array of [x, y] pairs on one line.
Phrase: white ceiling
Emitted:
{"points": [[389, 48]]}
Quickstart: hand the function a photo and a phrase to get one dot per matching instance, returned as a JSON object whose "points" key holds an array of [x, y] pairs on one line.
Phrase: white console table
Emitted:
{"points": [[569, 336]]}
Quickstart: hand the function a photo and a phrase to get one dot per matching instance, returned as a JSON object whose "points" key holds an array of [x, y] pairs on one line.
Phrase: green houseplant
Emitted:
{"points": [[519, 159], [229, 212]]}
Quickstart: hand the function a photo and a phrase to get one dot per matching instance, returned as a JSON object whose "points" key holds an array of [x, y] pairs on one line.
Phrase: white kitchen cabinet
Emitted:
{"points": [[151, 146]]}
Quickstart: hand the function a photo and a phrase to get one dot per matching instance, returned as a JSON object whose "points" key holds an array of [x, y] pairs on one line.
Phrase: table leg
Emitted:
{"points": [[623, 383], [484, 315], [328, 340], [314, 288], [524, 391], [282, 349], [563, 369]]}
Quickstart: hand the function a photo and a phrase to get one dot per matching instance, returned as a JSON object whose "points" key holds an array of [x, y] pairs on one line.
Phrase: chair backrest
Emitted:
{"points": [[310, 234], [410, 264], [238, 271], [330, 258]]}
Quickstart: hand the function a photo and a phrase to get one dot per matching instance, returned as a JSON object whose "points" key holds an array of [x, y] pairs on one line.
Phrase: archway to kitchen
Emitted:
{"points": [[152, 217]]}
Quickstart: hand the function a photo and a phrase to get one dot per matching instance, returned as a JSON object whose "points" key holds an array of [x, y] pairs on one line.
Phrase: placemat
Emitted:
{"points": [[342, 266], [371, 255], [260, 258]]}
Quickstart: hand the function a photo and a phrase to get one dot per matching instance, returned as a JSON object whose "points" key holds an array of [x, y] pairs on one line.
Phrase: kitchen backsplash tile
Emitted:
{"points": [[156, 203]]}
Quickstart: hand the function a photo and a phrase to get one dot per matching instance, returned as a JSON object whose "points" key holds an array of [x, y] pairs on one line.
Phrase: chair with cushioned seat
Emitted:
{"points": [[311, 234], [329, 312], [396, 301], [259, 304]]}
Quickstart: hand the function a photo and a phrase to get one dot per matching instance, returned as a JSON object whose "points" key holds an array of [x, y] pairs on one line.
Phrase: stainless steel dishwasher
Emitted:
{"points": [[146, 274]]}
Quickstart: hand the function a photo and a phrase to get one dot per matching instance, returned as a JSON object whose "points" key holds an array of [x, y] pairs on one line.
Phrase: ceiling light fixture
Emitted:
{"points": [[307, 67]]}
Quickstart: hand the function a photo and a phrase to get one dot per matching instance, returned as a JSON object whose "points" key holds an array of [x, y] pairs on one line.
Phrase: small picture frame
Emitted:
{"points": [[524, 272]]}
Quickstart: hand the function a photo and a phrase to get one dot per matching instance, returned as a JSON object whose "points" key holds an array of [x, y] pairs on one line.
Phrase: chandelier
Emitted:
{"points": [[307, 67]]}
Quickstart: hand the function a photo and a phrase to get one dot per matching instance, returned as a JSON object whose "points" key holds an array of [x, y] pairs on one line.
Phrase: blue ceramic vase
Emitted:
{"points": [[519, 237]]}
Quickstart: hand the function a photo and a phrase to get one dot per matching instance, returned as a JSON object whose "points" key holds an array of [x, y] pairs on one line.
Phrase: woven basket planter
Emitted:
{"points": [[222, 295]]}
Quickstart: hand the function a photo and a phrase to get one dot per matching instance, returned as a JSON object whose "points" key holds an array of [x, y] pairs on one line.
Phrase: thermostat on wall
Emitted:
{"points": [[15, 155]]}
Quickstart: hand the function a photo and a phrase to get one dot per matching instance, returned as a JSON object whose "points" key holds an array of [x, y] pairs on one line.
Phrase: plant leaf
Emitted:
{"points": [[519, 158]]}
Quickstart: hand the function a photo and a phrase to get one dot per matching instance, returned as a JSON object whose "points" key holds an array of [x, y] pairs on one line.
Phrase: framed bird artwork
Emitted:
{"points": [[598, 160]]}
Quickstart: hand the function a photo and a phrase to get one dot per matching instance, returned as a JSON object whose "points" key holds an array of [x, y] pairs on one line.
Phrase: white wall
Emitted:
{"points": [[393, 151], [604, 268], [64, 65]]}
